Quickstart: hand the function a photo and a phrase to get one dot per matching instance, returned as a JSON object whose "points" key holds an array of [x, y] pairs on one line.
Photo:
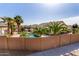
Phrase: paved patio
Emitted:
{"points": [[57, 51], [50, 52]]}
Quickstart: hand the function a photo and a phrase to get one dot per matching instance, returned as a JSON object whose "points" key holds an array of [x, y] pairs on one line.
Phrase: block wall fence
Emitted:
{"points": [[37, 44]]}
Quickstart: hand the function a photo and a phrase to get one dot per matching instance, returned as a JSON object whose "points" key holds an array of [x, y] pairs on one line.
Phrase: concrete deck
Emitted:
{"points": [[57, 51]]}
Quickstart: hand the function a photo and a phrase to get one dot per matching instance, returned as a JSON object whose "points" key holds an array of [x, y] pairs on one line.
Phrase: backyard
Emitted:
{"points": [[39, 38]]}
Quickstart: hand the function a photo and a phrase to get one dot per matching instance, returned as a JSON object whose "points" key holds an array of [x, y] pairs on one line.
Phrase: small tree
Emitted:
{"points": [[74, 28], [38, 31]]}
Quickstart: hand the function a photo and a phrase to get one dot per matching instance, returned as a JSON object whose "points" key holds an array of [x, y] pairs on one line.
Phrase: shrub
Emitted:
{"points": [[23, 34]]}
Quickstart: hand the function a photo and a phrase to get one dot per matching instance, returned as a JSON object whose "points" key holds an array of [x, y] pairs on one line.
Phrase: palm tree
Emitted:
{"points": [[57, 28], [41, 31], [8, 20], [38, 31], [18, 20], [54, 28], [12, 26], [45, 30]]}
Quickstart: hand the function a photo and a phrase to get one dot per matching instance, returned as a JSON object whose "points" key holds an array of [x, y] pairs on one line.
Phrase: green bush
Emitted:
{"points": [[23, 34]]}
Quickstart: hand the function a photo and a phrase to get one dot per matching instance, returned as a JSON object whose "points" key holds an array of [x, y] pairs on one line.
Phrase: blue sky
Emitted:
{"points": [[34, 13]]}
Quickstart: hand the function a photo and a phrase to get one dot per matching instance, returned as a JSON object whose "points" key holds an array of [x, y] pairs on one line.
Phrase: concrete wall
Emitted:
{"points": [[37, 44], [74, 38], [16, 43], [33, 44], [64, 39], [42, 43], [49, 42], [3, 42]]}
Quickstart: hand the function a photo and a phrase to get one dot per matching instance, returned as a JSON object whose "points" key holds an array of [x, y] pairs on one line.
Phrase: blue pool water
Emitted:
{"points": [[32, 35]]}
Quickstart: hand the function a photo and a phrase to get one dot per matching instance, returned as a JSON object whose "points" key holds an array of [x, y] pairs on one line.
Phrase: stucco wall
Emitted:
{"points": [[3, 42], [37, 44], [64, 39], [16, 43]]}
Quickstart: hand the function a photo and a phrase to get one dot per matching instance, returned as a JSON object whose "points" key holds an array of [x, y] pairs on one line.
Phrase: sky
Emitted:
{"points": [[36, 13]]}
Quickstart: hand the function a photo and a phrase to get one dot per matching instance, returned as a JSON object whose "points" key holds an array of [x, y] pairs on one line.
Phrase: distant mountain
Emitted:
{"points": [[43, 24]]}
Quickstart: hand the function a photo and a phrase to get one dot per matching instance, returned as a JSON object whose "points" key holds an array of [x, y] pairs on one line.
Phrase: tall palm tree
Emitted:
{"points": [[18, 20], [12, 26], [8, 20], [57, 28]]}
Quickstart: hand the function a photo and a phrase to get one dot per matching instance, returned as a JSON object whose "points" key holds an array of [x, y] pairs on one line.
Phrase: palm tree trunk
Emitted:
{"points": [[18, 27], [11, 30], [8, 28]]}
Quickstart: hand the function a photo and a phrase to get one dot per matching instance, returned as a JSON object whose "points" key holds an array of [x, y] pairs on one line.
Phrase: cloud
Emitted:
{"points": [[70, 20]]}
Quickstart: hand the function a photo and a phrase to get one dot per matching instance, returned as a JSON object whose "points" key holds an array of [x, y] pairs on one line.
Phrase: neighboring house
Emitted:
{"points": [[28, 28], [3, 28]]}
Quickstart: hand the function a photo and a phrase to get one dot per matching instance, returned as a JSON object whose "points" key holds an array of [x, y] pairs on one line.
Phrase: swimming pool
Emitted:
{"points": [[31, 35]]}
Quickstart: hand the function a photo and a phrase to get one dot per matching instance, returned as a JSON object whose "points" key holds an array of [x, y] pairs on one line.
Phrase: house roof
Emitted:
{"points": [[3, 24]]}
